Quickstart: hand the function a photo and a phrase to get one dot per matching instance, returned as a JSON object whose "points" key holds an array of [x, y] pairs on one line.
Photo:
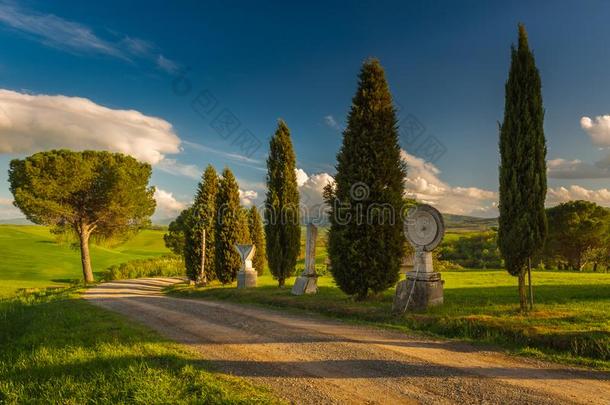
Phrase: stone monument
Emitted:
{"points": [[246, 276], [307, 282], [423, 287]]}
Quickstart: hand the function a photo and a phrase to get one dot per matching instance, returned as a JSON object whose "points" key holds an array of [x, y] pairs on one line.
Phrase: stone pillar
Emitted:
{"points": [[307, 282], [246, 276]]}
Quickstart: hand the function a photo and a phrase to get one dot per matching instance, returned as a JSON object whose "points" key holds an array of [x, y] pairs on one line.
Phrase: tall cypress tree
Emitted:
{"points": [[229, 228], [366, 240], [523, 223], [257, 236], [282, 228], [202, 217]]}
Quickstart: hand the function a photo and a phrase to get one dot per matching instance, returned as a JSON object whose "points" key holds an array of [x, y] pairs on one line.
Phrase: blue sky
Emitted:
{"points": [[69, 70]]}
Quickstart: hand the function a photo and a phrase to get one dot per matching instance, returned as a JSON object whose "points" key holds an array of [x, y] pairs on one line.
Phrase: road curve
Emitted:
{"points": [[308, 359]]}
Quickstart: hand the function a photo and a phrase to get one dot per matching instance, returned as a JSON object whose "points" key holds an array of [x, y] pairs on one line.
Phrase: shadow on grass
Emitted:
{"points": [[337, 369]]}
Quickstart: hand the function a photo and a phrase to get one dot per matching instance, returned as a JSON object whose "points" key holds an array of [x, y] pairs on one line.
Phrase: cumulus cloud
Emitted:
{"points": [[247, 197], [312, 188], [8, 210], [167, 205], [577, 169], [562, 194], [301, 176], [598, 129], [424, 184], [30, 123]]}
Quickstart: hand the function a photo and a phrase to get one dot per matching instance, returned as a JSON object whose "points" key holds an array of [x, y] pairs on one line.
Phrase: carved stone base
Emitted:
{"points": [[305, 285], [428, 292], [246, 279]]}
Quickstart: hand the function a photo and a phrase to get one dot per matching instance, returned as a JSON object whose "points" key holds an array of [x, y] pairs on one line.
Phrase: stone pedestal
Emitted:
{"points": [[307, 282], [426, 293], [246, 276], [305, 285], [246, 279], [422, 288]]}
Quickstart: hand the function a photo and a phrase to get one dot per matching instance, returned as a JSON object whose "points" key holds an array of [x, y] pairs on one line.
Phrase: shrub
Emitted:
{"points": [[162, 266]]}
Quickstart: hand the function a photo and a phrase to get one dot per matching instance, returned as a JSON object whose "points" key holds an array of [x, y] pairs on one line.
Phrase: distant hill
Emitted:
{"points": [[464, 223], [453, 223], [15, 221]]}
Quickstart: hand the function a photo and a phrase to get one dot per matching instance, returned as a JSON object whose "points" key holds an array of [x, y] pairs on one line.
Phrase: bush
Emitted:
{"points": [[477, 251], [163, 266]]}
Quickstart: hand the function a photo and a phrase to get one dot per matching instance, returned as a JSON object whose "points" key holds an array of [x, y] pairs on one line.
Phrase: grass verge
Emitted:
{"points": [[58, 348], [570, 322]]}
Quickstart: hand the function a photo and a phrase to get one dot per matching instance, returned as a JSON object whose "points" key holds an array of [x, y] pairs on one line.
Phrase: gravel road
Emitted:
{"points": [[313, 360]]}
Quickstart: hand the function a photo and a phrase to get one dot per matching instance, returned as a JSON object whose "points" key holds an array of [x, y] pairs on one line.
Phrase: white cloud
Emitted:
{"points": [[172, 166], [574, 192], [56, 32], [234, 157], [312, 188], [167, 205], [423, 183], [73, 37], [331, 122], [30, 123], [8, 210], [301, 176], [165, 64], [247, 197], [577, 169], [598, 129]]}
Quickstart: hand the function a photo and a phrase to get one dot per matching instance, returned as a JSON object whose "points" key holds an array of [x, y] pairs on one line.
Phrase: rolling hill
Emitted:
{"points": [[31, 256]]}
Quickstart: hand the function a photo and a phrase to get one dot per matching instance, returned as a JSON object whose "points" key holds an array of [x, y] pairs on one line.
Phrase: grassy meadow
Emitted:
{"points": [[32, 258], [57, 348]]}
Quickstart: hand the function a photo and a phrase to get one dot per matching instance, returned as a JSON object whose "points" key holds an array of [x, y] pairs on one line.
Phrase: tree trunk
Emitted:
{"points": [[280, 282], [522, 291], [85, 258], [529, 283]]}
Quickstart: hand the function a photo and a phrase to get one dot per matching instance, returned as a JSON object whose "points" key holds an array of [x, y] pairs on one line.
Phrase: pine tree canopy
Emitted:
{"points": [[366, 250], [92, 193]]}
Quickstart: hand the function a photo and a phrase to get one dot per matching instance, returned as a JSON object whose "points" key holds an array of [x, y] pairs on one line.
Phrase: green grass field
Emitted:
{"points": [[570, 323], [31, 257], [57, 348]]}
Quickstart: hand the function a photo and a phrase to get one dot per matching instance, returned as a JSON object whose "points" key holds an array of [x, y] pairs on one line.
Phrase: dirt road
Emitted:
{"points": [[307, 359]]}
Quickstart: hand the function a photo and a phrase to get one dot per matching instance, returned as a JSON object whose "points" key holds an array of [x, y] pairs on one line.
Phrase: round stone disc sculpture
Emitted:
{"points": [[423, 287], [424, 228]]}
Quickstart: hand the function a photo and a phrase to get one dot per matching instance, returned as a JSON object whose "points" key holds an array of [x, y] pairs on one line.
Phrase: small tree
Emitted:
{"points": [[578, 230], [174, 238], [203, 217], [257, 236], [523, 224], [96, 194], [229, 228], [366, 241], [282, 228]]}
